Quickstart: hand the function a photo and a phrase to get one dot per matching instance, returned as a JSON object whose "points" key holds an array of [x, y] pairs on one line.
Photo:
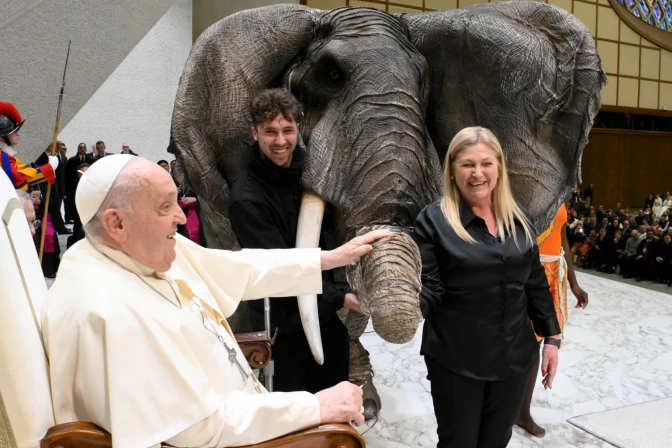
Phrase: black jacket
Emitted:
{"points": [[478, 299], [264, 211], [649, 249]]}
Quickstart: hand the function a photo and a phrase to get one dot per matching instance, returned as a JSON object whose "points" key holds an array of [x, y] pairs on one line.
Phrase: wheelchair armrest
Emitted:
{"points": [[88, 435], [256, 347]]}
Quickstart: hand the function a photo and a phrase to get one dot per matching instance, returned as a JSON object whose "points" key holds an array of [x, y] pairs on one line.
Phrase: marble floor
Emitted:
{"points": [[616, 352]]}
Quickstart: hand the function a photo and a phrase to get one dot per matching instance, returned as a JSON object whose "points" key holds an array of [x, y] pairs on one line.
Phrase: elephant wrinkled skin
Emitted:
{"points": [[383, 96]]}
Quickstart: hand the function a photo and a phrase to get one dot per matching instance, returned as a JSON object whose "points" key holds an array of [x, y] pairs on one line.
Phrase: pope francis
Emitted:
{"points": [[135, 323]]}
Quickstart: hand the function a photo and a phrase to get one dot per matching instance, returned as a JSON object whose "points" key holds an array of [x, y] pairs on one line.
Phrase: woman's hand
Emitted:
{"points": [[549, 365]]}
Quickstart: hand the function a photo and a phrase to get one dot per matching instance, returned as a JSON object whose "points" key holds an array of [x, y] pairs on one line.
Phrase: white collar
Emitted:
{"points": [[8, 149], [123, 259]]}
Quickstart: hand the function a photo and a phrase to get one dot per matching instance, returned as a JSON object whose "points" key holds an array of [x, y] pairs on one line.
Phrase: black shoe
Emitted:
{"points": [[639, 279]]}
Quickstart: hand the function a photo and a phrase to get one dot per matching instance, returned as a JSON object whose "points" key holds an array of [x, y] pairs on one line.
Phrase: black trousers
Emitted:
{"points": [[297, 370], [474, 413]]}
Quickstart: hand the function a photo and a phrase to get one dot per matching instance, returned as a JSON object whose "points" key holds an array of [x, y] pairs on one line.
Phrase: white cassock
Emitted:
{"points": [[144, 355]]}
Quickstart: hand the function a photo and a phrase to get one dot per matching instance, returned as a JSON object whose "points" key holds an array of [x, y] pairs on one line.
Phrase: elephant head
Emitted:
{"points": [[383, 96]]}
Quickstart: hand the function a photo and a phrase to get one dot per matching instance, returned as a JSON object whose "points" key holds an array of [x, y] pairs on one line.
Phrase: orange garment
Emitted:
{"points": [[555, 267], [550, 242]]}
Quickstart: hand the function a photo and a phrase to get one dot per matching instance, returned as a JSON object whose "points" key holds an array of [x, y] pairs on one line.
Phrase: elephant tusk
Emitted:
{"points": [[308, 236]]}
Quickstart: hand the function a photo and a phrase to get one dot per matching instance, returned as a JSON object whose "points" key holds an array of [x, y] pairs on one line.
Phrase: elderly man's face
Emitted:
{"points": [[149, 232], [29, 210], [36, 196]]}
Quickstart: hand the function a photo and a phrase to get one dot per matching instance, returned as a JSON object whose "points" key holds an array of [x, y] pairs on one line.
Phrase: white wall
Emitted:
{"points": [[35, 36], [135, 104]]}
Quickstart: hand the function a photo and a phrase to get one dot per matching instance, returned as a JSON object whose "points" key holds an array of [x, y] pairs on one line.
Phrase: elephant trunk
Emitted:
{"points": [[387, 284], [308, 236]]}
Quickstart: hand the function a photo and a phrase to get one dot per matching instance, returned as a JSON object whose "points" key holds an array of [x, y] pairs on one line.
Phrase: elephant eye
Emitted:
{"points": [[334, 75]]}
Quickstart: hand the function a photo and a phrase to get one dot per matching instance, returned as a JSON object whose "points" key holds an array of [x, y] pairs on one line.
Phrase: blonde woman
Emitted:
{"points": [[482, 284]]}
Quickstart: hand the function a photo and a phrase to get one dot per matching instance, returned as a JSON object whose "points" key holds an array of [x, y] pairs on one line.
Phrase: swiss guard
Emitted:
{"points": [[21, 175]]}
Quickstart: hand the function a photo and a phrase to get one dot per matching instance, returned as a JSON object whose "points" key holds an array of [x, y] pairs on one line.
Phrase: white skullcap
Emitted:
{"points": [[96, 183]]}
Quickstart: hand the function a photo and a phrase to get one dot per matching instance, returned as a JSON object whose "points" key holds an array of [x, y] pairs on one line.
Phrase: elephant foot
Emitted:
{"points": [[371, 398], [361, 373]]}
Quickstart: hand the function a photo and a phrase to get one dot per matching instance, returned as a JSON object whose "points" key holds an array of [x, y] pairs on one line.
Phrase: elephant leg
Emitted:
{"points": [[361, 373], [360, 364]]}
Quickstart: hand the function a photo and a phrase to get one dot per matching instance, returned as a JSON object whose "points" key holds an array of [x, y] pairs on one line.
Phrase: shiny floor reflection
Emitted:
{"points": [[617, 352]]}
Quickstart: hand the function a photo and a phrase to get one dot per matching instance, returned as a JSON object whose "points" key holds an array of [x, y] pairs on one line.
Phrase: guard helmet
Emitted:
{"points": [[10, 119]]}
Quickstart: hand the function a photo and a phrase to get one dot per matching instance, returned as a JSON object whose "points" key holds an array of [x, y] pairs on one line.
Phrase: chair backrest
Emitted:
{"points": [[26, 412]]}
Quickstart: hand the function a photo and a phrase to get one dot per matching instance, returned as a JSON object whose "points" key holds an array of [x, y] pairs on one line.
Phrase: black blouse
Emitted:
{"points": [[478, 299]]}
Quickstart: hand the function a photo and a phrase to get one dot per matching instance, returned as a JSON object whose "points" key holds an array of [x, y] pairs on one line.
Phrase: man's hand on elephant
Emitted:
{"points": [[341, 404], [350, 302], [352, 250]]}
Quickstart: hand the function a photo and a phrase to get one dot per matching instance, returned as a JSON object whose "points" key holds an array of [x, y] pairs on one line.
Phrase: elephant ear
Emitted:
{"points": [[229, 63], [529, 72]]}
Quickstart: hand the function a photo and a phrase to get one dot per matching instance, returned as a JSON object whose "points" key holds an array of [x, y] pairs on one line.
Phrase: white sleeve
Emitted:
{"points": [[244, 419], [252, 274]]}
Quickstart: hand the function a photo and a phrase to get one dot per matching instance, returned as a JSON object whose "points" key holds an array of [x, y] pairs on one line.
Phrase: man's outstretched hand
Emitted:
{"points": [[341, 404], [352, 250]]}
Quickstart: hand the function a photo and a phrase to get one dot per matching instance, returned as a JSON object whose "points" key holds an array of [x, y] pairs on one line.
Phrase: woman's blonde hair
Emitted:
{"points": [[506, 209]]}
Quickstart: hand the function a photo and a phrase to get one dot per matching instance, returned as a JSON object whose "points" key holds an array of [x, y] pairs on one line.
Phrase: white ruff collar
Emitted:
{"points": [[8, 149]]}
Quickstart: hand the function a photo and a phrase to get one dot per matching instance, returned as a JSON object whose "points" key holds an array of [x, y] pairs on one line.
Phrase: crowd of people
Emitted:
{"points": [[63, 210], [619, 241]]}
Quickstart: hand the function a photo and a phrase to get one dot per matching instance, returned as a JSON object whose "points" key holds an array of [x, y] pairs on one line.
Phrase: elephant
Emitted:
{"points": [[383, 95]]}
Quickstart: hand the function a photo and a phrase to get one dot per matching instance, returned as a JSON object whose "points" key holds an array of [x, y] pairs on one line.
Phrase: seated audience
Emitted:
{"points": [[625, 261], [598, 255], [663, 262], [616, 251], [645, 258]]}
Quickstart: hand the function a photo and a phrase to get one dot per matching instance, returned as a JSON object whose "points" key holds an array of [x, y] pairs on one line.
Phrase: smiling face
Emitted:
{"points": [[147, 233], [476, 171], [277, 139]]}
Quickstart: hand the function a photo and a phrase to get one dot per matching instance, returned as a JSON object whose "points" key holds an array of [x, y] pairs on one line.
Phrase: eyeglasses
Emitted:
{"points": [[36, 224]]}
